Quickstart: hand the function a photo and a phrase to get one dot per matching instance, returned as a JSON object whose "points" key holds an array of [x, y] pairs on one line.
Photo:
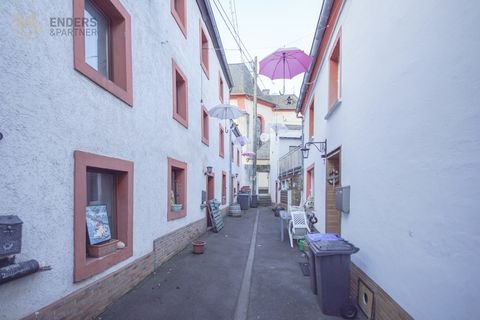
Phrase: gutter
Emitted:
{"points": [[208, 18], [315, 50]]}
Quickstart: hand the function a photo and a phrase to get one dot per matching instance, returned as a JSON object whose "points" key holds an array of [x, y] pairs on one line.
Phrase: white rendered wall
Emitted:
{"points": [[48, 110], [408, 128]]}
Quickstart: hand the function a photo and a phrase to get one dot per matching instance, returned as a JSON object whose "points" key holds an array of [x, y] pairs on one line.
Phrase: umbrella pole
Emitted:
{"points": [[283, 74], [254, 125]]}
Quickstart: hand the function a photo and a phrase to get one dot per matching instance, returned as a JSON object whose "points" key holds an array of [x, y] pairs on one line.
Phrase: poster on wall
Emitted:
{"points": [[97, 224]]}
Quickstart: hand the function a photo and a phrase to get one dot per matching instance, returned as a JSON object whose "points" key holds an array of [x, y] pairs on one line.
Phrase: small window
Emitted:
{"points": [[224, 187], [220, 88], [108, 183], [97, 43], [177, 191], [205, 126], [180, 96], [204, 50], [335, 76], [238, 158], [179, 13], [311, 121], [232, 152], [222, 142], [102, 45], [310, 182]]}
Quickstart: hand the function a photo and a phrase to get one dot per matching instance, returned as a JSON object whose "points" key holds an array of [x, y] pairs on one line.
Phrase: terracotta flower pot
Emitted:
{"points": [[198, 246]]}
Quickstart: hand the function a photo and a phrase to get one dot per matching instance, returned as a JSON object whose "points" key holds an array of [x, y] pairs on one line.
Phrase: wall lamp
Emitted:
{"points": [[208, 171], [320, 145]]}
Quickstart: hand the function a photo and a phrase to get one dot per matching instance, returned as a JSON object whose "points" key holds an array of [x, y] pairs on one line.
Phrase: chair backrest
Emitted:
{"points": [[296, 208], [299, 219]]}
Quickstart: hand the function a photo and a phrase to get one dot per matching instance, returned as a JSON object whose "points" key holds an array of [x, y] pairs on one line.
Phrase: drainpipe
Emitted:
{"points": [[303, 160]]}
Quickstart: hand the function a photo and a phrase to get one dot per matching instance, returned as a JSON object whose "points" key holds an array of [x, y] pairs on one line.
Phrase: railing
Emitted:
{"points": [[291, 162]]}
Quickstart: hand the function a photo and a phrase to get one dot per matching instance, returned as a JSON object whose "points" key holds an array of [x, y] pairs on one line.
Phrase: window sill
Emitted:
{"points": [[332, 110], [174, 215], [205, 142], [181, 120]]}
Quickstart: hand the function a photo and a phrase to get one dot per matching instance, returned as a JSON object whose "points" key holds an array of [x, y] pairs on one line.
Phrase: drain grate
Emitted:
{"points": [[304, 266]]}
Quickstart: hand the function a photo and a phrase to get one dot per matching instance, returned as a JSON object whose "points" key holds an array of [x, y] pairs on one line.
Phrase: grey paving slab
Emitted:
{"points": [[207, 286]]}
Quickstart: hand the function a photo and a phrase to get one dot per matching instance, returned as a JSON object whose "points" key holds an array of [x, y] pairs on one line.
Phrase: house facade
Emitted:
{"points": [[272, 111], [393, 88], [105, 109]]}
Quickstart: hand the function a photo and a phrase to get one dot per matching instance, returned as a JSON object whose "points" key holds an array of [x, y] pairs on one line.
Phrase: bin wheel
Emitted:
{"points": [[348, 311]]}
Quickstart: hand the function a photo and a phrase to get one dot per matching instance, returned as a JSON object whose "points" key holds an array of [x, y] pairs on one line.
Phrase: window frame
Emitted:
{"points": [[310, 175], [120, 82], [221, 141], [335, 74], [205, 126], [311, 119], [238, 157], [204, 54], [181, 118], [220, 87], [85, 267], [173, 163], [224, 187], [180, 17]]}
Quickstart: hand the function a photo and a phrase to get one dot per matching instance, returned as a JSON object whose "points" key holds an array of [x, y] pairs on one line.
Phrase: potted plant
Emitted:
{"points": [[174, 206]]}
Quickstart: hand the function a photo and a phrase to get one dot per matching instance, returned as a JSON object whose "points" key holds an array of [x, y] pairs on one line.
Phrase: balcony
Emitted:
{"points": [[291, 163]]}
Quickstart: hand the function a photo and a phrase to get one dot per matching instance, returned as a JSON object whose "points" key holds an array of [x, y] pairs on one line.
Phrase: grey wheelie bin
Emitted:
{"points": [[244, 200], [332, 271], [310, 238]]}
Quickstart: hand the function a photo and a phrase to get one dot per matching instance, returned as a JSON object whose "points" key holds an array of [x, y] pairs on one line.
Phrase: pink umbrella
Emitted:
{"points": [[285, 63], [248, 154]]}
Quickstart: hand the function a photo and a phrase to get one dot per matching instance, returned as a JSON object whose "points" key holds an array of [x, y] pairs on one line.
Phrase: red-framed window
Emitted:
{"points": [[311, 120], [221, 140], [334, 92], [179, 12], [238, 158], [101, 181], [224, 187], [205, 126], [204, 49], [177, 189], [180, 95], [220, 88], [102, 46]]}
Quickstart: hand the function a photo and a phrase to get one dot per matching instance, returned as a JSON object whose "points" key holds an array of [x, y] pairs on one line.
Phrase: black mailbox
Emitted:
{"points": [[10, 235]]}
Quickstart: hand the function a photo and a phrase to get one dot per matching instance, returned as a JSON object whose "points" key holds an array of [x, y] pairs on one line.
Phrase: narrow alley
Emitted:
{"points": [[207, 286]]}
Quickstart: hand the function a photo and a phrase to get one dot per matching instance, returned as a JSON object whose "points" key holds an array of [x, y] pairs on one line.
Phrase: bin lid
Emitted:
{"points": [[312, 237], [328, 248], [10, 220]]}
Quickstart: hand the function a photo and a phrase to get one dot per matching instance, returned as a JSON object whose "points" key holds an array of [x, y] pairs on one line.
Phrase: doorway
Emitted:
{"points": [[333, 218], [210, 194]]}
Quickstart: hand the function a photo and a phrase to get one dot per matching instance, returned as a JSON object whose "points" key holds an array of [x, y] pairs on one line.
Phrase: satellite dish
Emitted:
{"points": [[264, 137]]}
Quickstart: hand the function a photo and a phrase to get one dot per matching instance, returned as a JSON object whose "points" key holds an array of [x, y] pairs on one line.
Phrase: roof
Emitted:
{"points": [[243, 85], [315, 51], [209, 19]]}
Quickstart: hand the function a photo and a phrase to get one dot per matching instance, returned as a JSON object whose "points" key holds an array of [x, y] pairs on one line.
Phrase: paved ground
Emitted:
{"points": [[212, 285]]}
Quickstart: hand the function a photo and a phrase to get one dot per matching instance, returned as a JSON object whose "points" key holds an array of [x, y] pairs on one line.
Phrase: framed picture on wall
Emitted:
{"points": [[97, 224]]}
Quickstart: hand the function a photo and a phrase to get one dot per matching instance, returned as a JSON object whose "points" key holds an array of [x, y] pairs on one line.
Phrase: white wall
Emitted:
{"points": [[409, 131], [48, 110]]}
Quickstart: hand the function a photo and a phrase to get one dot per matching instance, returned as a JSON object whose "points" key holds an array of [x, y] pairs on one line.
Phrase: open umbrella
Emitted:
{"points": [[225, 111], [285, 63], [278, 127], [248, 154], [241, 140]]}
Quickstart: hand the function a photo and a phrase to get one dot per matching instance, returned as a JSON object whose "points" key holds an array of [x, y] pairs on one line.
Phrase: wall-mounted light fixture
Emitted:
{"points": [[1, 136], [320, 145], [208, 170]]}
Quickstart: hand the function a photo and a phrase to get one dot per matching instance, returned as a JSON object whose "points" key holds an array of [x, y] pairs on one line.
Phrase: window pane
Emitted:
{"points": [[96, 39], [101, 191]]}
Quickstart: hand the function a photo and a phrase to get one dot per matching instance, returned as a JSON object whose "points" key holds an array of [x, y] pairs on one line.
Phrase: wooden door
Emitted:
{"points": [[333, 218], [210, 195]]}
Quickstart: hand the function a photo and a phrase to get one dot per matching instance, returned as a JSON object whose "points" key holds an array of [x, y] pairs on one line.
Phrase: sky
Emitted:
{"points": [[267, 25]]}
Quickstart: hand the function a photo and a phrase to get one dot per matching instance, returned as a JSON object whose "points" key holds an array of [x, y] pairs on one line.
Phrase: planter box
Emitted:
{"points": [[102, 249]]}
